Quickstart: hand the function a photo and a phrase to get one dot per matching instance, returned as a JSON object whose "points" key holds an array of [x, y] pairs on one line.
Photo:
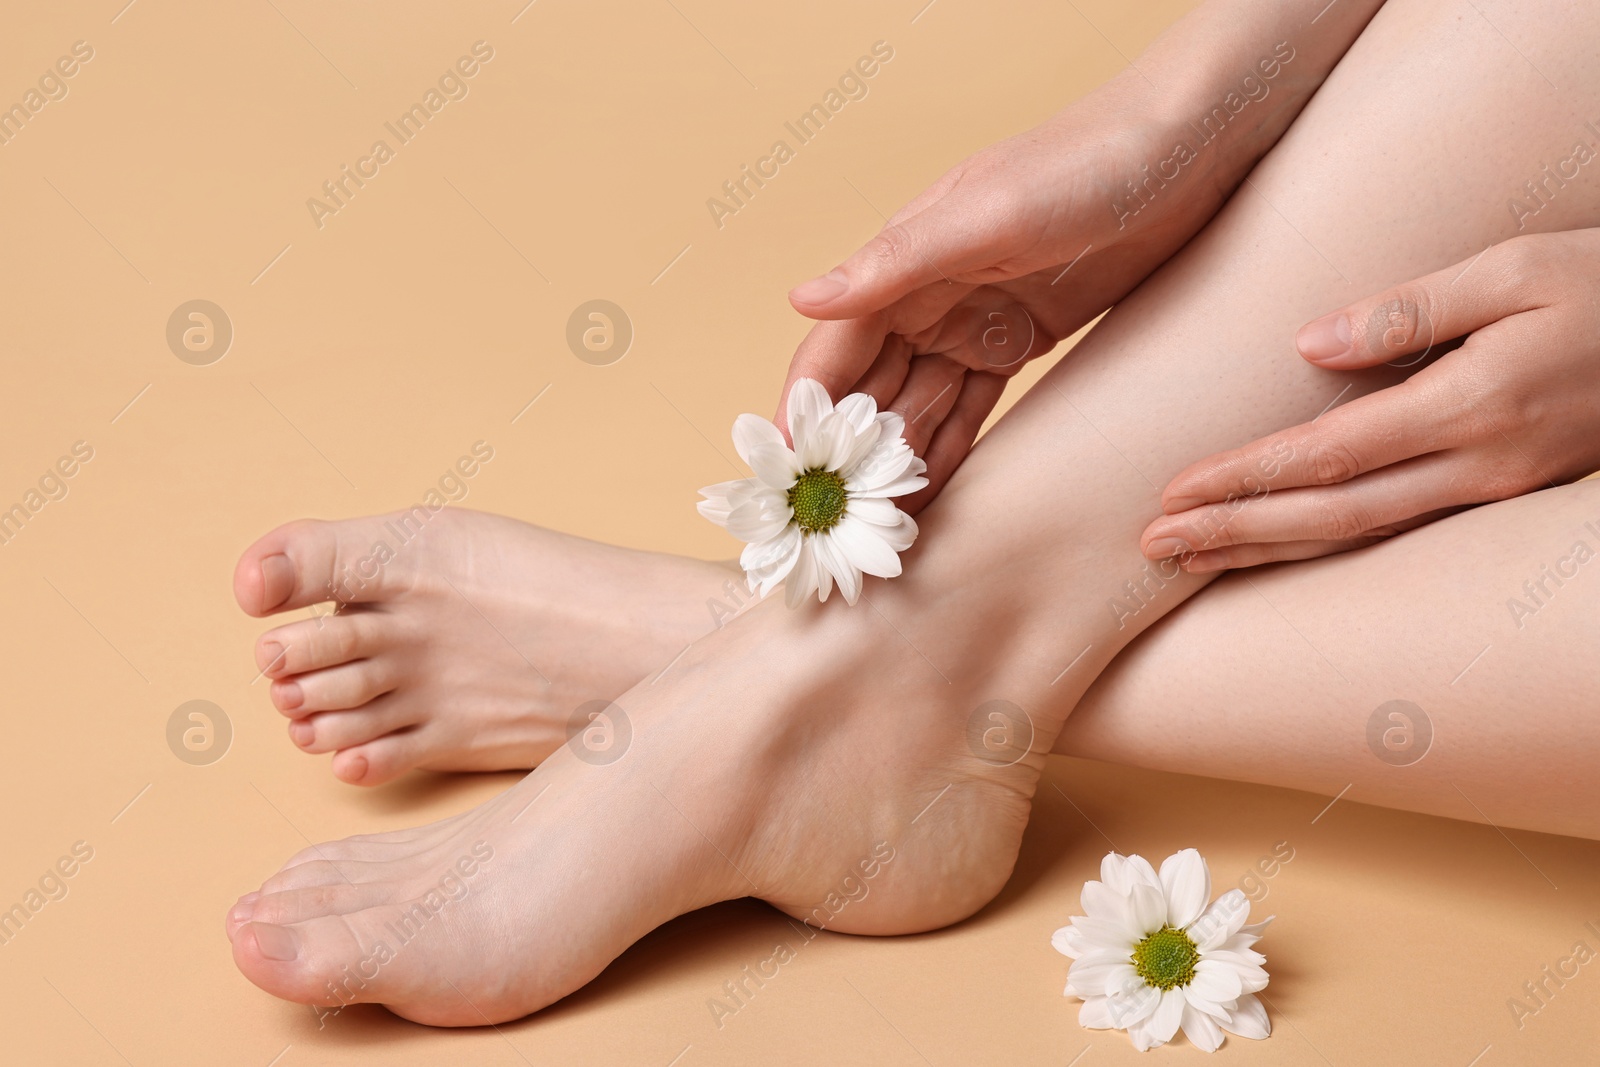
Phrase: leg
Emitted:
{"points": [[760, 762], [1486, 621]]}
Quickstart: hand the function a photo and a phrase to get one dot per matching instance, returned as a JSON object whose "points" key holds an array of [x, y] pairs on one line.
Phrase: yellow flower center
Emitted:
{"points": [[818, 500], [1166, 958]]}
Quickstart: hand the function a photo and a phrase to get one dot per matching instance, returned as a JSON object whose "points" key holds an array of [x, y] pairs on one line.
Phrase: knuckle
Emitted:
{"points": [[1404, 320], [892, 249], [1331, 461], [1521, 261], [345, 639], [1342, 520]]}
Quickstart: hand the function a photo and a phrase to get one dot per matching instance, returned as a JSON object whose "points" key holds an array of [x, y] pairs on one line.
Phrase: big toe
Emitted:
{"points": [[310, 561]]}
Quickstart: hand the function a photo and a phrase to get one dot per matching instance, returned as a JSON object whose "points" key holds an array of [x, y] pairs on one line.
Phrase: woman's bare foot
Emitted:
{"points": [[812, 759], [462, 640]]}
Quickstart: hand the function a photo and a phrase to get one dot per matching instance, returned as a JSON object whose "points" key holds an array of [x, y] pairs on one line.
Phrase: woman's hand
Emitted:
{"points": [[1514, 409], [1015, 249], [1027, 241]]}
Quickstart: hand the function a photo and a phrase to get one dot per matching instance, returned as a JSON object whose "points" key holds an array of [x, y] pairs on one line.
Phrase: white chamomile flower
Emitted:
{"points": [[1150, 956], [821, 512]]}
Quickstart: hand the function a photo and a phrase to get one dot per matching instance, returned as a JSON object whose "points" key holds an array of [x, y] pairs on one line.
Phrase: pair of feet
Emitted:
{"points": [[790, 756]]}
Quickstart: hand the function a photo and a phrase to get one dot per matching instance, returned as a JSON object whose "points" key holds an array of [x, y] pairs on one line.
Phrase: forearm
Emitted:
{"points": [[1218, 89]]}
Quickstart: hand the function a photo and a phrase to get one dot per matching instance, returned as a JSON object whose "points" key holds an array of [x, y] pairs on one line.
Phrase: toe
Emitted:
{"points": [[348, 685], [326, 641], [383, 759], [330, 731], [332, 871], [312, 902], [311, 561]]}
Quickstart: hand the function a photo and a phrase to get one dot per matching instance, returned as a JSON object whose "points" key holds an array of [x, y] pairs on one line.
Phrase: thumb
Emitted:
{"points": [[911, 251], [1410, 318]]}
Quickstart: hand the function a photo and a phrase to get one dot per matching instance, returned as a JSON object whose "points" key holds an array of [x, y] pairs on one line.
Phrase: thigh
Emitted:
{"points": [[1450, 670]]}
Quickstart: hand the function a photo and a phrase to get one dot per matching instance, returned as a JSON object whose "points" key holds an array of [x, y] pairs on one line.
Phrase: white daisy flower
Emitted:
{"points": [[1150, 956], [821, 512]]}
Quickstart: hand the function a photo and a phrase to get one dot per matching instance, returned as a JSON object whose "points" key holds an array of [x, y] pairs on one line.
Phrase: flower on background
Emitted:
{"points": [[1150, 956], [820, 512]]}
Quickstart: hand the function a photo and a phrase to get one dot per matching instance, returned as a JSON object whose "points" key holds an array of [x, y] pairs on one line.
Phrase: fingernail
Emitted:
{"points": [[272, 653], [830, 286], [287, 695], [1326, 338], [1181, 503], [276, 942], [277, 580], [302, 733], [1163, 547]]}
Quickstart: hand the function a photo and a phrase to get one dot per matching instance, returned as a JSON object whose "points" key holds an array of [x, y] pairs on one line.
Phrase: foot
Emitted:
{"points": [[462, 641], [813, 759]]}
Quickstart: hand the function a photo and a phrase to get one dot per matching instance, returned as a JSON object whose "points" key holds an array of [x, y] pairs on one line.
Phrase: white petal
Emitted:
{"points": [[865, 546], [1149, 909], [1201, 1029], [865, 442], [1217, 981], [1186, 880], [767, 563], [830, 557], [1221, 920], [824, 576], [808, 403], [861, 410], [751, 431], [802, 580], [1117, 932], [1133, 1004], [722, 498], [775, 465], [1249, 1019], [1068, 941], [873, 509], [1220, 1011], [1093, 974], [886, 462], [1168, 1014], [759, 519], [838, 438], [1114, 872], [1139, 870], [1162, 1023], [894, 425], [1094, 1015]]}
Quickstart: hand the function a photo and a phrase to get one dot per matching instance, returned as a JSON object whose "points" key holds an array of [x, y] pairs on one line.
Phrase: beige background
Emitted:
{"points": [[425, 316]]}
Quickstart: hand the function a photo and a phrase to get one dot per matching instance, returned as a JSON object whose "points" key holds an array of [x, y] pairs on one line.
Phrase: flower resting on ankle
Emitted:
{"points": [[1150, 956], [821, 512]]}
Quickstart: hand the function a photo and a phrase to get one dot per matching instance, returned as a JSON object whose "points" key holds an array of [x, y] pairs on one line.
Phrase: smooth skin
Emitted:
{"points": [[785, 747]]}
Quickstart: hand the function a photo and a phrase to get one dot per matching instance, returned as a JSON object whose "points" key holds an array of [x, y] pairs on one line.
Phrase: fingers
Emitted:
{"points": [[835, 354], [1236, 556], [1343, 512], [929, 394], [953, 439], [1410, 318], [1370, 432], [955, 229]]}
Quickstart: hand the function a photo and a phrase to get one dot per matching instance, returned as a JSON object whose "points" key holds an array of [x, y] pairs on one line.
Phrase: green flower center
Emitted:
{"points": [[1166, 958], [818, 499]]}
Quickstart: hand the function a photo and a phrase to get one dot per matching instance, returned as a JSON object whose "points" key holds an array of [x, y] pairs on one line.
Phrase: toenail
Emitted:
{"points": [[277, 580], [243, 909], [302, 733], [289, 695], [272, 652], [355, 770], [276, 942]]}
